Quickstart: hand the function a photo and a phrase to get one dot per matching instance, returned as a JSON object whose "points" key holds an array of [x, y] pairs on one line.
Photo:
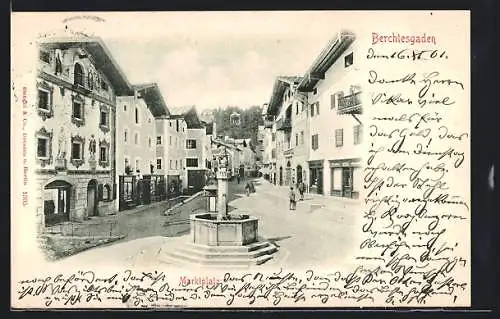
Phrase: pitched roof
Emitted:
{"points": [[326, 59], [280, 85], [153, 98], [101, 56], [189, 114]]}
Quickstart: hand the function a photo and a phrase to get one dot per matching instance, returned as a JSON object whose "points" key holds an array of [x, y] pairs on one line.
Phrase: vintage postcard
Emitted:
{"points": [[240, 159]]}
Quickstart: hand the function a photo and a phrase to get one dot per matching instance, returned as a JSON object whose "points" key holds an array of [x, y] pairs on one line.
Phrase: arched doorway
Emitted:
{"points": [[281, 176], [299, 173], [56, 202], [92, 198], [288, 177]]}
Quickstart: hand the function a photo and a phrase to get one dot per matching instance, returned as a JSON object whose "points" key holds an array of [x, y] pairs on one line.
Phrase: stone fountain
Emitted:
{"points": [[220, 238]]}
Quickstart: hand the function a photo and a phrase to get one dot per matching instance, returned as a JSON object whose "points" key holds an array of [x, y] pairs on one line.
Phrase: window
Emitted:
{"points": [[124, 107], [296, 139], [273, 136], [302, 137], [76, 150], [104, 118], [103, 154], [42, 147], [315, 91], [170, 140], [177, 125], [190, 144], [44, 56], [176, 167], [158, 163], [358, 134], [349, 60], [339, 137], [137, 165], [297, 108], [171, 165], [43, 100], [158, 140], [125, 135], [77, 110], [104, 85], [78, 75], [317, 108], [191, 162], [136, 138], [149, 142], [315, 142], [312, 110], [136, 116], [170, 123], [106, 195]]}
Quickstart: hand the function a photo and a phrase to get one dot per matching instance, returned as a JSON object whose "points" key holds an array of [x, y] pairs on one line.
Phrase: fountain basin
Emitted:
{"points": [[237, 230]]}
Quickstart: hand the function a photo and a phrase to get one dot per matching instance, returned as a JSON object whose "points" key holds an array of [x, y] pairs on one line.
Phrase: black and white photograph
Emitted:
{"points": [[241, 159]]}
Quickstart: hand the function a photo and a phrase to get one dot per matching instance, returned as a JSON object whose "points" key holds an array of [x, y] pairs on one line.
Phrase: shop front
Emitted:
{"points": [[344, 177]]}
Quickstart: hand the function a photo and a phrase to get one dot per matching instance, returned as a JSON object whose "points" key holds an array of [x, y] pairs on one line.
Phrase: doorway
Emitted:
{"points": [[281, 176], [347, 174], [299, 174], [56, 204], [92, 198]]}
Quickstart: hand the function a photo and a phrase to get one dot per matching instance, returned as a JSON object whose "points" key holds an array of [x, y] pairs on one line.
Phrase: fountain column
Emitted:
{"points": [[222, 187]]}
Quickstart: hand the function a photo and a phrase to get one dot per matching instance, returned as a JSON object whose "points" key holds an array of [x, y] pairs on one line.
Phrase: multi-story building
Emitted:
{"points": [[77, 84], [136, 162], [194, 170], [286, 106], [171, 133], [335, 130], [210, 131], [269, 146]]}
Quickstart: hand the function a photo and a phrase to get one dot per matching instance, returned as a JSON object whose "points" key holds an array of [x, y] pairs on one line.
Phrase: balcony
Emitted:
{"points": [[350, 104], [284, 124], [268, 124]]}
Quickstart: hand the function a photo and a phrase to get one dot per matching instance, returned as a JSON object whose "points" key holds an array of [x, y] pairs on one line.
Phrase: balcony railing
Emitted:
{"points": [[350, 104], [268, 124], [284, 124]]}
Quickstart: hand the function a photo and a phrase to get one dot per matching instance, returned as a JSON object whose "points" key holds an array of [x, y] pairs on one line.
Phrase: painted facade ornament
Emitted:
{"points": [[61, 150], [92, 147]]}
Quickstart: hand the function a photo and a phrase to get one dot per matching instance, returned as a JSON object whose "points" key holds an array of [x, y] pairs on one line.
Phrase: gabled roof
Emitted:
{"points": [[101, 55], [189, 114], [227, 145], [326, 59], [153, 98], [280, 85]]}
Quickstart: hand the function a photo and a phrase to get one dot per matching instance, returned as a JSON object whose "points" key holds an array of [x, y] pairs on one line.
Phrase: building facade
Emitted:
{"points": [[286, 108], [171, 134], [77, 85], [136, 162], [335, 128]]}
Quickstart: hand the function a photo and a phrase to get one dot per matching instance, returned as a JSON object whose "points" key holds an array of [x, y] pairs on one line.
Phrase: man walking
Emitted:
{"points": [[292, 198], [302, 188]]}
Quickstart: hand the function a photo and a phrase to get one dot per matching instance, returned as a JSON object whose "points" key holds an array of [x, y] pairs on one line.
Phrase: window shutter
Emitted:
{"points": [[332, 101], [317, 108]]}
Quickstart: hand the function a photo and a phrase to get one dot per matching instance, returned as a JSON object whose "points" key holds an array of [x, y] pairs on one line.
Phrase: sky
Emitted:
{"points": [[207, 59]]}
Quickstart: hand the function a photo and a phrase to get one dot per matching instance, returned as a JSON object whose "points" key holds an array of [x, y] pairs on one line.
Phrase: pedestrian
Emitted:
{"points": [[302, 188], [238, 178], [248, 188], [292, 198]]}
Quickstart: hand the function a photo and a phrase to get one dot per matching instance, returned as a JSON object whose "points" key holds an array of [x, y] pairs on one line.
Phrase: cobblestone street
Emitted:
{"points": [[320, 231]]}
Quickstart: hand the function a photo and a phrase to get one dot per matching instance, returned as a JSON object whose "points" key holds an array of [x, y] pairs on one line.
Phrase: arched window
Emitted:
{"points": [[106, 192], [78, 74]]}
